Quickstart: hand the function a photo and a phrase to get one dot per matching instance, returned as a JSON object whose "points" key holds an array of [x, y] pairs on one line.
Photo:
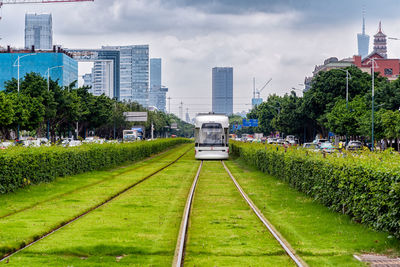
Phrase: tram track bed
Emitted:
{"points": [[223, 229], [321, 237], [39, 214]]}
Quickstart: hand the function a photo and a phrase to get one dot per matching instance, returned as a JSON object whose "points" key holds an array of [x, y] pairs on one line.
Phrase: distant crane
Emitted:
{"points": [[12, 2], [257, 101]]}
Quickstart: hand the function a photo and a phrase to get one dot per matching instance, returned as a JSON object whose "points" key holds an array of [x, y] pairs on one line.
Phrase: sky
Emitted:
{"points": [[278, 39]]}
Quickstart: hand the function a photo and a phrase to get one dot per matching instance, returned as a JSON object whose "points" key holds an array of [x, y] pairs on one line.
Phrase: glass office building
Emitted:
{"points": [[222, 90], [38, 31], [157, 93], [134, 73], [39, 63]]}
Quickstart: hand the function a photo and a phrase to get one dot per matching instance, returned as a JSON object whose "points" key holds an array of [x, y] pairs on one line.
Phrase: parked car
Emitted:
{"points": [[320, 141], [354, 145], [271, 140], [327, 147]]}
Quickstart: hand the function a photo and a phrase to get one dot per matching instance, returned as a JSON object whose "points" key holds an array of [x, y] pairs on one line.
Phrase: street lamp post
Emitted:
{"points": [[48, 90], [373, 100], [18, 60], [347, 92]]}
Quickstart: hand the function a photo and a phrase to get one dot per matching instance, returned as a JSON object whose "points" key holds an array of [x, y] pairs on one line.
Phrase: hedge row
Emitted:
{"points": [[365, 188], [22, 166]]}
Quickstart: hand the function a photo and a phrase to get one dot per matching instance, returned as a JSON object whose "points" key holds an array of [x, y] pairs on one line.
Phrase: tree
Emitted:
{"points": [[7, 114]]}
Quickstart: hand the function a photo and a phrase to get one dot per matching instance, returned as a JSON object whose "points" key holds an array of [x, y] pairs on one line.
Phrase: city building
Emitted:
{"points": [[380, 42], [105, 76], [38, 61], [88, 80], [134, 73], [363, 41], [155, 72], [222, 90], [388, 68], [38, 31], [157, 93]]}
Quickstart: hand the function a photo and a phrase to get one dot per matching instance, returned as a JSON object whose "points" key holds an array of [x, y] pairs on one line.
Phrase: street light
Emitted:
{"points": [[48, 75], [373, 95], [18, 60], [347, 92], [48, 90]]}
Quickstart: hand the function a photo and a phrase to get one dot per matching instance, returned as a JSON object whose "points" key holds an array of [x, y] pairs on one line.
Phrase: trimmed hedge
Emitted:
{"points": [[364, 186], [22, 166]]}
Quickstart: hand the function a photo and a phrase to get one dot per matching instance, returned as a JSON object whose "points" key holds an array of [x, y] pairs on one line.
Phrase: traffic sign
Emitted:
{"points": [[135, 116]]}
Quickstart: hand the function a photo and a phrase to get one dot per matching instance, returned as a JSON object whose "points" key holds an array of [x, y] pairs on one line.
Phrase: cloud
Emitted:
{"points": [[282, 40]]}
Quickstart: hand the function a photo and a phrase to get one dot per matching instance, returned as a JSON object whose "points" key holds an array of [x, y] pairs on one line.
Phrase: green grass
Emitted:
{"points": [[67, 197], [320, 236], [139, 228], [223, 230]]}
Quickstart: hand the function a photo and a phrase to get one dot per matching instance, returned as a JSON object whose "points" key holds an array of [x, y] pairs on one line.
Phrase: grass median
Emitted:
{"points": [[320, 236], [70, 199], [223, 230], [138, 228]]}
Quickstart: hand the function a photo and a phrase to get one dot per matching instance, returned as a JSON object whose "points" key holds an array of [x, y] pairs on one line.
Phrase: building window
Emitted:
{"points": [[388, 71]]}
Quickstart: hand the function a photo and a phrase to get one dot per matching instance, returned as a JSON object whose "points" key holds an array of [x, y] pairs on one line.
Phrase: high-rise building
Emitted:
{"points": [[134, 73], [38, 31], [222, 90], [40, 62], [380, 42], [102, 75], [155, 72], [157, 93], [363, 41]]}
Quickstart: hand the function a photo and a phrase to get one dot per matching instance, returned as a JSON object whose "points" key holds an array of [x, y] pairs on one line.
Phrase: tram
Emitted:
{"points": [[212, 136]]}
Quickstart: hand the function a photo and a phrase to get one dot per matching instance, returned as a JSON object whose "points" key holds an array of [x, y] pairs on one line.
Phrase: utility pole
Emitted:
{"points": [[373, 108]]}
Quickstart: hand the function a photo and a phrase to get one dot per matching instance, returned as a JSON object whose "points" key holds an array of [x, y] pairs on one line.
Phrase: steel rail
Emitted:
{"points": [[284, 244], [64, 224], [180, 245]]}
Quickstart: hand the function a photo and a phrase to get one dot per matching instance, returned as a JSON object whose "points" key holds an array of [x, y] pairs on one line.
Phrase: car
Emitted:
{"points": [[320, 141], [327, 147], [354, 145], [272, 140]]}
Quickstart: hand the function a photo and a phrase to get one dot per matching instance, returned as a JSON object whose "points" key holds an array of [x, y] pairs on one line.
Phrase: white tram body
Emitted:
{"points": [[212, 136]]}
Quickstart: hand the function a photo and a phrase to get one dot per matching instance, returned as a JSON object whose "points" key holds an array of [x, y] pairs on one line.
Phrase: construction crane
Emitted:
{"points": [[12, 2], [257, 101]]}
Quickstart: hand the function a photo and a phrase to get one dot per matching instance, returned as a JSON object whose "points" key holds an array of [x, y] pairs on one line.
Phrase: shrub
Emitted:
{"points": [[365, 186], [22, 166]]}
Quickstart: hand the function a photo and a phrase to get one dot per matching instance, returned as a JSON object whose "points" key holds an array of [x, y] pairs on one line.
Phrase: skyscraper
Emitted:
{"points": [[134, 73], [155, 73], [157, 93], [102, 78], [222, 90], [363, 41], [38, 31], [380, 42]]}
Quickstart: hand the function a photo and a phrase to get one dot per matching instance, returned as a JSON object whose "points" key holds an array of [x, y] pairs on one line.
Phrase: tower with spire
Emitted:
{"points": [[363, 40], [380, 42]]}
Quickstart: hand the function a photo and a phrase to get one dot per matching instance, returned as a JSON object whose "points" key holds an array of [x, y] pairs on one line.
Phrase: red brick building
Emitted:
{"points": [[389, 68]]}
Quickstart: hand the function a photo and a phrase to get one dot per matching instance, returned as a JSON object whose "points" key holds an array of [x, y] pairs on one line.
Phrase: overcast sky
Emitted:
{"points": [[278, 39]]}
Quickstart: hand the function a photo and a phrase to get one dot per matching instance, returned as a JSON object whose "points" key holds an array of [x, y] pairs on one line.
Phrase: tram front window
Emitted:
{"points": [[211, 134]]}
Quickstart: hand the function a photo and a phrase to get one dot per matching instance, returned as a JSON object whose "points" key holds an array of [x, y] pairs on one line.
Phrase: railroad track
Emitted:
{"points": [[111, 198], [182, 237], [15, 212]]}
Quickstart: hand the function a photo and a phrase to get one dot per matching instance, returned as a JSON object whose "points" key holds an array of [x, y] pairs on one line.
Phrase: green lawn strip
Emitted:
{"points": [[223, 230], [137, 228], [24, 227], [320, 236], [32, 195]]}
